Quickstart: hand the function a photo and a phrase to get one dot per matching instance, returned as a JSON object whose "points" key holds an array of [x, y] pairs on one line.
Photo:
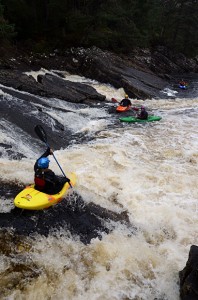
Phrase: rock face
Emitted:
{"points": [[189, 276], [163, 61], [70, 91], [120, 72], [50, 86], [142, 74]]}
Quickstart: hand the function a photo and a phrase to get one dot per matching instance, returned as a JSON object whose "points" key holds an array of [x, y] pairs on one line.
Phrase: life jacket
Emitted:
{"points": [[39, 179], [182, 83], [143, 115], [125, 102]]}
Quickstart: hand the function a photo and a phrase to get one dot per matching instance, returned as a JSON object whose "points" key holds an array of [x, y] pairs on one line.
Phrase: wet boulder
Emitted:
{"points": [[165, 61], [50, 86], [189, 276], [20, 81], [143, 73], [107, 67], [69, 91]]}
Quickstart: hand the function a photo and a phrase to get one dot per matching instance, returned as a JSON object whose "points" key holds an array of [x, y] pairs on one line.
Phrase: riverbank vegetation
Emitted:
{"points": [[116, 25]]}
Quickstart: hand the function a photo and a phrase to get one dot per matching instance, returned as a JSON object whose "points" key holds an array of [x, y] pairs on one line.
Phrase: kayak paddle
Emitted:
{"points": [[43, 137], [114, 100]]}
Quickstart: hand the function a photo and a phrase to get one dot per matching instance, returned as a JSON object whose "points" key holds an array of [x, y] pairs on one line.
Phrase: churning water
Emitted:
{"points": [[148, 170]]}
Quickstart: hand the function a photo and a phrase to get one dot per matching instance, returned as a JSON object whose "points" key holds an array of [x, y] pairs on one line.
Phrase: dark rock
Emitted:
{"points": [[69, 91], [11, 153], [189, 276], [107, 67], [50, 86], [165, 61], [21, 81], [5, 146], [143, 73], [87, 220], [39, 78]]}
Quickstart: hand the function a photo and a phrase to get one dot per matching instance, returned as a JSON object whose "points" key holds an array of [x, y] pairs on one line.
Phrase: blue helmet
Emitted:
{"points": [[43, 162]]}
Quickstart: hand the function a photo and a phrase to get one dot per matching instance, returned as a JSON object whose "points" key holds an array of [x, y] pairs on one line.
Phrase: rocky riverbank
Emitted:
{"points": [[142, 74]]}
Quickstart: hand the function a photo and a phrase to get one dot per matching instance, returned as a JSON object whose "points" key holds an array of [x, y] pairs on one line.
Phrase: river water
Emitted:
{"points": [[148, 170]]}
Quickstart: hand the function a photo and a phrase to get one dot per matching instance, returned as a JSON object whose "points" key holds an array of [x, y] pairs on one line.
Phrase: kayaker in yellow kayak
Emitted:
{"points": [[45, 179]]}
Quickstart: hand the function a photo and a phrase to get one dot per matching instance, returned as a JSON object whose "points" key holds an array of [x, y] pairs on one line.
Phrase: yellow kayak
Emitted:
{"points": [[31, 199]]}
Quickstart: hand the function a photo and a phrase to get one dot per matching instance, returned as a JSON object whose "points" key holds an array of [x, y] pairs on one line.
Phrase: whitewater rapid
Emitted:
{"points": [[148, 170]]}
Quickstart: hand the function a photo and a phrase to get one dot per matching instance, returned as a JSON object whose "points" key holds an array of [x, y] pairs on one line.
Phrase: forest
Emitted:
{"points": [[115, 25]]}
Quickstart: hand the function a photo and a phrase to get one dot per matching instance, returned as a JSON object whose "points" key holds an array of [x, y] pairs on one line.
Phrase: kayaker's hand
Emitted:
{"points": [[68, 180], [49, 151]]}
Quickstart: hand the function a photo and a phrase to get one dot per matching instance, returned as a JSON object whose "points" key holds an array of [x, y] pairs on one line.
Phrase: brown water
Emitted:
{"points": [[150, 170]]}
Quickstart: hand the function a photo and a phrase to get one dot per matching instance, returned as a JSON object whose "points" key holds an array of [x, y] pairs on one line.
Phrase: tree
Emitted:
{"points": [[181, 26], [118, 25], [6, 30]]}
